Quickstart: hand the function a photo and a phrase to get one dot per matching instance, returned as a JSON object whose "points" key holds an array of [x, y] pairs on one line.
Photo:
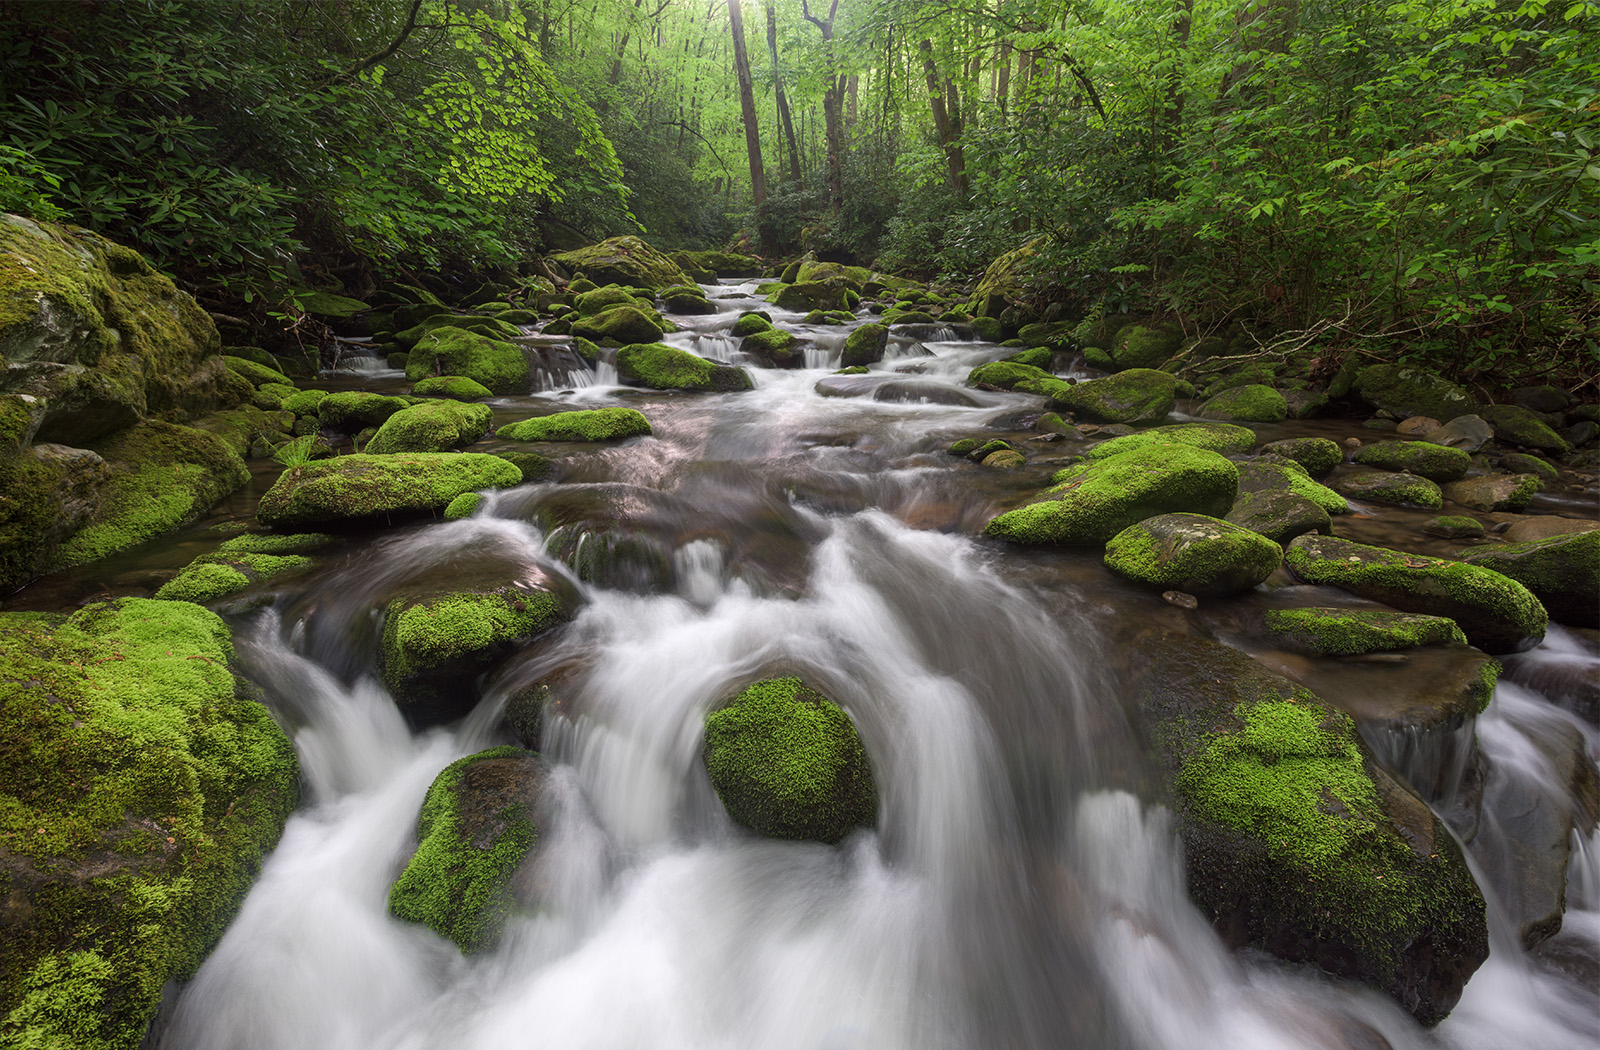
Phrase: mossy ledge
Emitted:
{"points": [[1352, 632], [788, 763], [475, 828], [141, 790]]}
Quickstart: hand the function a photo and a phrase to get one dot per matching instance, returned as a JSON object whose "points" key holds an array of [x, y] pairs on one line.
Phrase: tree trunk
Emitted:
{"points": [[1002, 90], [946, 122], [785, 122], [832, 101], [747, 104]]}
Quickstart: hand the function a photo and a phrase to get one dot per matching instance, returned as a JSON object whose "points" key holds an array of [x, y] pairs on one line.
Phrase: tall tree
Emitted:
{"points": [[785, 123], [747, 105], [832, 102], [946, 121]]}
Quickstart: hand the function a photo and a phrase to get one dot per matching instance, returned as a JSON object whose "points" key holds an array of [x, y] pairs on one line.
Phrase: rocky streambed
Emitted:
{"points": [[795, 663]]}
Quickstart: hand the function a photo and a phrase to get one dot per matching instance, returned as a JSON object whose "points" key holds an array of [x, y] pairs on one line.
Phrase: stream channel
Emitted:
{"points": [[1023, 887]]}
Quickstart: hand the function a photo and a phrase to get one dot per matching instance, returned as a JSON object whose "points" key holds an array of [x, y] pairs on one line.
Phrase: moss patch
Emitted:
{"points": [[140, 793], [1218, 437], [495, 364], [353, 410], [1138, 395], [1421, 458], [457, 388], [1405, 490], [787, 762], [1563, 572], [663, 367], [1317, 455], [599, 424], [463, 506], [475, 828], [361, 486], [1252, 403], [1012, 375], [1192, 553], [431, 427], [1351, 632]]}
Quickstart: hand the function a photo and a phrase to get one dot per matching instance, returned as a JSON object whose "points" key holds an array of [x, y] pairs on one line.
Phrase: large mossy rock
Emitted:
{"points": [[355, 410], [626, 261], [1316, 455], [1144, 345], [1218, 437], [1139, 395], [1277, 474], [500, 366], [774, 347], [804, 297], [362, 488], [1404, 391], [240, 563], [1518, 426], [456, 388], [1384, 486], [1498, 614], [1563, 572], [1013, 375], [620, 324], [1192, 553], [590, 303], [477, 324], [787, 762], [1490, 492], [436, 426], [1425, 459], [99, 337], [476, 826], [1251, 403], [1093, 501], [864, 346], [596, 424], [1278, 514], [140, 789], [1298, 844], [434, 647], [663, 367]]}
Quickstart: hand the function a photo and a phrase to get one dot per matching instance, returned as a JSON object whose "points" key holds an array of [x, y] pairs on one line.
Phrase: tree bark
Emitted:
{"points": [[747, 105], [946, 122], [832, 100], [785, 122]]}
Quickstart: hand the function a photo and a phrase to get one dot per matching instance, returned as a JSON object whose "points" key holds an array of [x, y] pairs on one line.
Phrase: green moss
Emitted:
{"points": [[353, 410], [787, 762], [1522, 463], [1139, 346], [500, 366], [1421, 458], [750, 324], [463, 506], [158, 789], [1095, 500], [433, 426], [1011, 375], [621, 324], [1192, 553], [622, 260], [1040, 357], [1386, 487], [1138, 395], [773, 345], [1405, 391], [457, 882], [663, 367], [228, 571], [1004, 459], [1264, 475], [361, 486], [486, 327], [1252, 403], [457, 635], [590, 303], [304, 402], [1218, 437], [963, 447], [533, 466], [853, 370], [166, 476], [258, 375], [1496, 613], [1317, 455], [1351, 632], [1517, 425], [458, 388], [903, 315], [327, 304], [865, 345], [1563, 572], [1453, 527], [585, 349], [988, 448], [599, 424]]}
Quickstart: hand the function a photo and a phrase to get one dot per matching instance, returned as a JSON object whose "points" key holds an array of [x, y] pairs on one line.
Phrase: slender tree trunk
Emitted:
{"points": [[832, 102], [946, 122], [1002, 89], [747, 105], [785, 123]]}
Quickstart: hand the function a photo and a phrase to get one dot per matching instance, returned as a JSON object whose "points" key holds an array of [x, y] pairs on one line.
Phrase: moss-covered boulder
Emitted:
{"points": [[1012, 375], [1498, 614], [1352, 632], [1278, 514], [1041, 357], [1563, 572], [663, 367], [362, 488], [620, 324], [1251, 403], [1192, 553], [1317, 455], [684, 301], [463, 506], [1494, 491], [304, 402], [435, 647], [597, 424], [1218, 437], [774, 347], [487, 327], [1383, 486], [626, 261], [1274, 474], [1139, 395], [255, 373], [1424, 459], [434, 426], [1516, 425], [140, 789], [531, 465], [99, 337], [352, 410], [722, 264], [1295, 841], [476, 826], [457, 388], [788, 763], [1405, 391], [240, 563], [804, 296], [500, 366], [865, 345], [590, 303], [1094, 500], [1144, 345], [750, 324]]}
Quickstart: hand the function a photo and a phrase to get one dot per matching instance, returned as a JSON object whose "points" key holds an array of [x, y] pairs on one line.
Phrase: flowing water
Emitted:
{"points": [[1023, 887]]}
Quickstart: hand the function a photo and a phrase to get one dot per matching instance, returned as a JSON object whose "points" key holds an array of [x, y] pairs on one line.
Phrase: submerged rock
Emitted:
{"points": [[1192, 553], [1497, 614], [359, 487], [1298, 844], [142, 790], [476, 827], [788, 763], [1093, 501]]}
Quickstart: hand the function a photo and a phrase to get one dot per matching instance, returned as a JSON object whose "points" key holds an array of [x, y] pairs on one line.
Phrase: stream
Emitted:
{"points": [[1023, 887]]}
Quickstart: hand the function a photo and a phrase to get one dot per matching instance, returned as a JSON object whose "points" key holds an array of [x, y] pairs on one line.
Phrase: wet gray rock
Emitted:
{"points": [[1468, 433]]}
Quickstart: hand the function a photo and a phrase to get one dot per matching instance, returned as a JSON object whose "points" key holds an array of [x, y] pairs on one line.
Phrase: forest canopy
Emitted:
{"points": [[1418, 172]]}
